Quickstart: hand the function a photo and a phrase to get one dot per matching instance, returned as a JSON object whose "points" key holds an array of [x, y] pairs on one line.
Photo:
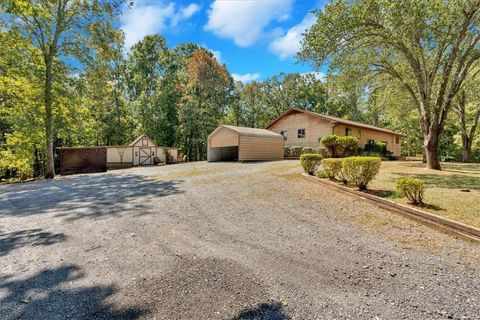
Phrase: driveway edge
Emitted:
{"points": [[451, 226]]}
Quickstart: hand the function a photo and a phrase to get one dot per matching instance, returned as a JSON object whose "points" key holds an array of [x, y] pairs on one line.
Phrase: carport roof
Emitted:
{"points": [[252, 132]]}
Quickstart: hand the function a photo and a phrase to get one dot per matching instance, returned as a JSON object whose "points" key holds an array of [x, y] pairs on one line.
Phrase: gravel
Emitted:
{"points": [[222, 241]]}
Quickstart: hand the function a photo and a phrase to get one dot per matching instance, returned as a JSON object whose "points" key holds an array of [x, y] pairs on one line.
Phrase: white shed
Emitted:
{"points": [[141, 151]]}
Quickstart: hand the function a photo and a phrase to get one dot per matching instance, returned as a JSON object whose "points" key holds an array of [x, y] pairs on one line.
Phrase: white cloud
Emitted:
{"points": [[247, 77], [290, 43], [245, 21], [185, 13], [152, 17]]}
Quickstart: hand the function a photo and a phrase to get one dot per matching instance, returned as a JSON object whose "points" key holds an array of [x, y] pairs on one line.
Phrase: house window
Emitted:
{"points": [[397, 140], [348, 131], [301, 133], [284, 134], [359, 134], [144, 142]]}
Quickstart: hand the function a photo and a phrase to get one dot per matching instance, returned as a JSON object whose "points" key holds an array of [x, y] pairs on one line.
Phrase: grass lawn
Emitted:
{"points": [[453, 192]]}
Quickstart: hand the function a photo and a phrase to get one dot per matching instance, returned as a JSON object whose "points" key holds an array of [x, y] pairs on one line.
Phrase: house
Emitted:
{"points": [[228, 143], [305, 128]]}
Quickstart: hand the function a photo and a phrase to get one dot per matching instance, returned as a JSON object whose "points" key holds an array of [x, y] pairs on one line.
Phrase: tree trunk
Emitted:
{"points": [[466, 149], [50, 170], [431, 146]]}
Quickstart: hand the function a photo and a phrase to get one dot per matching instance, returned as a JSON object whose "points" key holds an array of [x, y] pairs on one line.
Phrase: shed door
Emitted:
{"points": [[145, 156]]}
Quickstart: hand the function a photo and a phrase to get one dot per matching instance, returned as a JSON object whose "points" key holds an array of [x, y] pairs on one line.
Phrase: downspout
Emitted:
{"points": [[335, 124]]}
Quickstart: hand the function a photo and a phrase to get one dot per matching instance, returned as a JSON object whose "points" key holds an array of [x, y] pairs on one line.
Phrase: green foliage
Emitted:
{"points": [[412, 188], [307, 150], [322, 174], [339, 146], [376, 148], [320, 150], [361, 170], [295, 151], [332, 167], [330, 142], [310, 162], [347, 145]]}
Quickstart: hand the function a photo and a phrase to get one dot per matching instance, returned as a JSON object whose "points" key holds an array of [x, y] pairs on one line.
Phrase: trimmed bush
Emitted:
{"points": [[321, 174], [320, 150], [361, 170], [332, 167], [307, 150], [330, 142], [347, 145], [286, 152], [295, 151], [310, 162], [413, 189]]}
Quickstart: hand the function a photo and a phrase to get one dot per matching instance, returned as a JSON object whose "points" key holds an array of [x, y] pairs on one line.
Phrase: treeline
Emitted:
{"points": [[66, 79]]}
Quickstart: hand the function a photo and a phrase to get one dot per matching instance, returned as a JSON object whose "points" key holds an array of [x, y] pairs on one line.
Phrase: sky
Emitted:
{"points": [[255, 39]]}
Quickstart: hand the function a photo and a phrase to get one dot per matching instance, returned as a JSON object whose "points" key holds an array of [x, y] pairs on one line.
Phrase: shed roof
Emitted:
{"points": [[140, 138], [252, 132], [332, 119]]}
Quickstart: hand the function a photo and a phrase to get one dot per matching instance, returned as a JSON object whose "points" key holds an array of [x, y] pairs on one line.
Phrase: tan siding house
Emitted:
{"points": [[227, 143], [305, 128]]}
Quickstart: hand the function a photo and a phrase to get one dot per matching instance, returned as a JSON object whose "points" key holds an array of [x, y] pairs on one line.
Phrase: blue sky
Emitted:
{"points": [[254, 38]]}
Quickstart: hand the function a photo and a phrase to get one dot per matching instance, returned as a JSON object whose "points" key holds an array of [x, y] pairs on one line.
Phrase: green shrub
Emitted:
{"points": [[376, 148], [346, 145], [361, 170], [330, 142], [307, 150], [310, 162], [295, 151], [321, 174], [286, 152], [413, 189], [320, 150], [332, 167]]}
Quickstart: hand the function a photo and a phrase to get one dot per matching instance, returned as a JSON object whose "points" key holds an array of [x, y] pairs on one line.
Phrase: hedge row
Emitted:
{"points": [[297, 151], [357, 170]]}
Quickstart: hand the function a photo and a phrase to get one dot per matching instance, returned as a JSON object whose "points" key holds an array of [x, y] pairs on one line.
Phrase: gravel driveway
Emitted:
{"points": [[222, 241]]}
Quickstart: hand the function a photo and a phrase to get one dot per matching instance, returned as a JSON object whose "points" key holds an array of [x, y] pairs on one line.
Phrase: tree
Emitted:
{"points": [[427, 46], [102, 86], [206, 94], [21, 133], [59, 29], [467, 110], [294, 90]]}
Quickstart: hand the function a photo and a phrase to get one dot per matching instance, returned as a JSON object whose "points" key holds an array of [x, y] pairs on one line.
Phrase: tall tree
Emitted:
{"points": [[467, 110], [206, 94], [427, 46], [296, 90], [146, 68], [21, 134], [60, 29]]}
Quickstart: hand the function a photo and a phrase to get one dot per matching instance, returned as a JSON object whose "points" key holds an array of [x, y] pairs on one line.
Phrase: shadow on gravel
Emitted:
{"points": [[33, 237], [270, 311], [89, 196], [48, 295]]}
